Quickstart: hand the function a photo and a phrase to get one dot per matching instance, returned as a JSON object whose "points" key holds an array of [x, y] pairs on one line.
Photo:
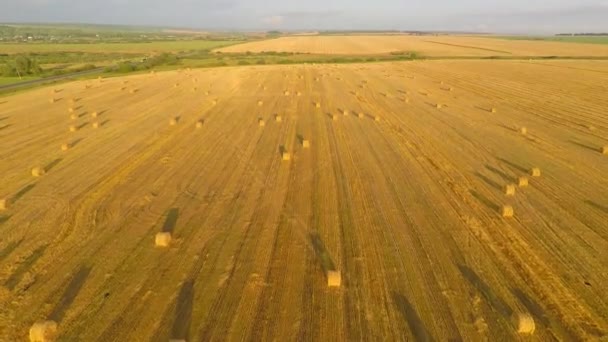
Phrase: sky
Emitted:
{"points": [[499, 16]]}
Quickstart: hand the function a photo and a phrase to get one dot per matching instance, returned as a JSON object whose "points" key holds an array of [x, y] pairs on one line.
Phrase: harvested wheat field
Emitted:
{"points": [[375, 230], [432, 46]]}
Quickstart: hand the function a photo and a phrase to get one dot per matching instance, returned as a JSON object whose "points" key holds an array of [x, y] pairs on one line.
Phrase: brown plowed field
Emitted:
{"points": [[432, 46], [405, 207]]}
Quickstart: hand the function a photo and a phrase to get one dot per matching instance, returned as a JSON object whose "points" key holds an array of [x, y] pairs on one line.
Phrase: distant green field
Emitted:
{"points": [[162, 46], [11, 80], [565, 39]]}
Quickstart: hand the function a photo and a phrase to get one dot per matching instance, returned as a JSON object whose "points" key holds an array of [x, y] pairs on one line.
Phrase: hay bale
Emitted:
{"points": [[286, 156], [44, 331], [509, 189], [523, 130], [260, 103], [439, 106], [286, 93], [506, 211], [73, 128], [261, 122], [604, 149], [524, 323], [94, 114], [176, 85], [199, 124], [522, 182], [334, 117], [173, 122], [4, 204], [299, 93], [73, 116], [493, 110], [52, 100], [360, 115], [535, 172], [377, 118], [38, 171], [305, 143], [65, 147], [162, 239], [71, 110], [95, 125], [334, 279], [278, 118], [406, 100], [318, 104], [214, 102], [345, 112], [133, 91]]}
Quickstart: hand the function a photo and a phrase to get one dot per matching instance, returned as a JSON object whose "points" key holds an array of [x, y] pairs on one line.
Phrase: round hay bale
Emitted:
{"points": [[133, 91], [334, 279], [360, 115], [4, 204], [286, 93], [94, 114], [73, 128], [493, 110], [299, 93], [173, 122], [45, 331], [278, 118], [260, 103], [65, 147], [406, 100], [305, 143], [535, 172], [377, 118], [71, 110], [95, 125], [318, 104], [523, 130], [286, 156], [524, 323], [176, 85], [199, 124], [439, 106], [522, 182], [38, 171], [214, 102], [506, 211], [261, 122], [73, 116], [345, 112], [334, 117], [604, 149], [162, 239], [509, 189], [52, 100]]}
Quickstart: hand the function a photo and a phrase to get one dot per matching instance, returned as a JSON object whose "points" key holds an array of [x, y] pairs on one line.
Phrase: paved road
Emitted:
{"points": [[48, 79]]}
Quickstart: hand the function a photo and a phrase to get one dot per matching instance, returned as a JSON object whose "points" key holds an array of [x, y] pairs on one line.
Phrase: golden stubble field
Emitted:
{"points": [[400, 190], [431, 46]]}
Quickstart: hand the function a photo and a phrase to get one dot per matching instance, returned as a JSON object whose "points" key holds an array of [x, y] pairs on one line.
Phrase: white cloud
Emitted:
{"points": [[274, 20]]}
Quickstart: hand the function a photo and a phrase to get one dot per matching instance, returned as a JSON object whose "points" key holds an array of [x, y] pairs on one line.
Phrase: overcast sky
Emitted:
{"points": [[515, 16]]}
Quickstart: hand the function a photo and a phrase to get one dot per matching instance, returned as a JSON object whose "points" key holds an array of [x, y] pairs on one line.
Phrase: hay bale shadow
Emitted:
{"points": [[14, 279], [282, 150], [584, 146], [488, 181], [5, 127], [170, 220], [76, 142], [52, 164], [4, 118], [597, 206], [500, 173], [533, 308], [513, 165], [9, 249], [104, 122], [183, 312], [22, 192], [486, 291], [300, 138], [4, 218], [70, 293], [321, 252], [412, 318], [485, 201], [82, 125]]}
